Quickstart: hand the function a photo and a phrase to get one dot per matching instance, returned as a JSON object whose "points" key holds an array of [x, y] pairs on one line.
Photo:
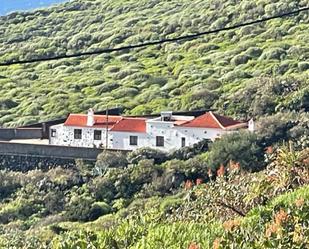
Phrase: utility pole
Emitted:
{"points": [[106, 142]]}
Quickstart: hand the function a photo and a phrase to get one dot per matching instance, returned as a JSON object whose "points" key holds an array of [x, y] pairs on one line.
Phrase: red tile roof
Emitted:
{"points": [[212, 120], [130, 125], [99, 120], [127, 124], [226, 121]]}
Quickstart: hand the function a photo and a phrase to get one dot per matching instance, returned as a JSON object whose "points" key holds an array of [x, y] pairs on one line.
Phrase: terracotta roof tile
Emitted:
{"points": [[226, 121], [80, 120], [211, 120], [130, 125]]}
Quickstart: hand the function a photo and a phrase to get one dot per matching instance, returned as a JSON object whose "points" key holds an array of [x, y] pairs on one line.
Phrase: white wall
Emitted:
{"points": [[59, 135], [65, 136], [121, 140], [165, 129], [173, 134], [194, 135]]}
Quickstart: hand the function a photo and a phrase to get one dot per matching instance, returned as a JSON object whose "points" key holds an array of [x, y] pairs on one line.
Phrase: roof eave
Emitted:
{"points": [[231, 127]]}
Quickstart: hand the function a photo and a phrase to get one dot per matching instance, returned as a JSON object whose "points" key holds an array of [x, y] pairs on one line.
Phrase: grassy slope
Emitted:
{"points": [[146, 80]]}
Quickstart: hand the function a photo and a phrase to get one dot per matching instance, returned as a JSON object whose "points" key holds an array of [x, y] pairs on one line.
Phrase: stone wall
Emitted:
{"points": [[64, 135], [26, 163], [50, 151], [20, 133]]}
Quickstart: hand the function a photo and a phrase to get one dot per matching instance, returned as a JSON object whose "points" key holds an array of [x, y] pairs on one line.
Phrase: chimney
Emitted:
{"points": [[90, 117], [166, 115]]}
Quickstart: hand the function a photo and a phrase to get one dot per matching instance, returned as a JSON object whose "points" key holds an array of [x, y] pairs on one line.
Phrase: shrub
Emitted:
{"points": [[80, 208], [110, 159], [204, 48], [239, 147], [254, 52], [240, 59], [98, 209], [213, 84], [202, 99], [169, 204], [273, 54], [106, 87], [7, 104], [188, 152], [103, 189], [303, 66], [136, 156], [274, 128], [9, 183]]}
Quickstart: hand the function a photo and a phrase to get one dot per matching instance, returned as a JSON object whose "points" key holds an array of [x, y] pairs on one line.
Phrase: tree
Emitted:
{"points": [[241, 147], [109, 159]]}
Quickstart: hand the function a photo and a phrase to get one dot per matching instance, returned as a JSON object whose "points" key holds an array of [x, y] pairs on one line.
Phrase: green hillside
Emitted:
{"points": [[251, 71], [245, 190], [151, 204]]}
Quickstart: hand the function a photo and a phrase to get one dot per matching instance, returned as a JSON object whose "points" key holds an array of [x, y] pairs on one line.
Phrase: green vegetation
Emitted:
{"points": [[175, 204], [248, 72], [242, 191]]}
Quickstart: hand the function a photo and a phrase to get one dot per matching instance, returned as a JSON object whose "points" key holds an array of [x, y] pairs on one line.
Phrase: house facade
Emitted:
{"points": [[167, 132]]}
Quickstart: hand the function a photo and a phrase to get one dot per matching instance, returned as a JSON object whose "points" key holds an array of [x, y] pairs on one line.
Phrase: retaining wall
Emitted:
{"points": [[25, 163], [20, 133], [24, 157], [51, 151]]}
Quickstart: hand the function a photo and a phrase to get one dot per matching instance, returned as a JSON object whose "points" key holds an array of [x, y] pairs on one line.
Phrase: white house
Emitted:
{"points": [[167, 132]]}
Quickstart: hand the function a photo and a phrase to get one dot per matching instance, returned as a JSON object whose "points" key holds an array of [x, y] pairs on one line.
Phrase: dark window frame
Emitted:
{"points": [[160, 141], [53, 132], [133, 140], [97, 135], [78, 133], [183, 142]]}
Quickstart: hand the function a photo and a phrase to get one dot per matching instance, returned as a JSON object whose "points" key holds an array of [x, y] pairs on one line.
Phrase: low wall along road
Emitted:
{"points": [[20, 133], [51, 151], [24, 157]]}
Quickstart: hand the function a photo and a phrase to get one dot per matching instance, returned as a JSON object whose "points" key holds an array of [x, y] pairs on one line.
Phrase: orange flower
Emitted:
{"points": [[281, 217], [273, 228], [299, 202], [234, 165], [269, 150], [188, 185], [221, 171], [216, 244], [231, 224], [272, 178], [199, 181], [193, 246]]}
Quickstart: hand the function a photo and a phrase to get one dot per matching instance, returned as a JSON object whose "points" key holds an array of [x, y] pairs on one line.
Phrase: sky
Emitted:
{"points": [[7, 6]]}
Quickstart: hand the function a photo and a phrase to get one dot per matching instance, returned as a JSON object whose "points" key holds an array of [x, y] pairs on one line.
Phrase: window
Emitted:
{"points": [[133, 140], [160, 141], [53, 133], [77, 134], [183, 142], [97, 135]]}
